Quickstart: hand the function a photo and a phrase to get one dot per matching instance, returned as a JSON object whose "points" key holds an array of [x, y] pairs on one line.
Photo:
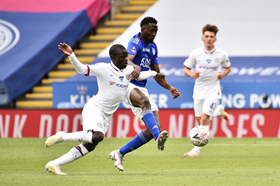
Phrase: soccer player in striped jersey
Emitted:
{"points": [[143, 55], [113, 80], [208, 61]]}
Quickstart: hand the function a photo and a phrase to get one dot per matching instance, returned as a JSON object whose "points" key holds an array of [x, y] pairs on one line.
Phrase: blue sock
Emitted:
{"points": [[151, 123], [139, 140]]}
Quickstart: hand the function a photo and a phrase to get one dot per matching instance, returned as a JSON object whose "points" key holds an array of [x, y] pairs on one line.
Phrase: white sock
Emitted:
{"points": [[205, 126], [85, 136], [73, 154], [197, 149]]}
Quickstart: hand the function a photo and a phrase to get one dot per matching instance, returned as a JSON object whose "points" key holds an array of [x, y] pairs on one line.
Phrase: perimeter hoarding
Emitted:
{"points": [[235, 95], [178, 122]]}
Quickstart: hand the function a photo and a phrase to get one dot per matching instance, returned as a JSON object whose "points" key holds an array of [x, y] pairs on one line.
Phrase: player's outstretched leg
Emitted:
{"points": [[220, 112], [55, 139], [193, 153], [118, 158], [162, 138], [54, 168]]}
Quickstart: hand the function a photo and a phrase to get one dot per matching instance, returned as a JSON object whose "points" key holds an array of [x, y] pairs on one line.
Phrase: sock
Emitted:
{"points": [[151, 123], [85, 136], [139, 140], [197, 149], [73, 154], [205, 126]]}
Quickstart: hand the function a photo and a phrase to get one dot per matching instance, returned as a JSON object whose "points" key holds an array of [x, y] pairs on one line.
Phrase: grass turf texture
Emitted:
{"points": [[247, 161]]}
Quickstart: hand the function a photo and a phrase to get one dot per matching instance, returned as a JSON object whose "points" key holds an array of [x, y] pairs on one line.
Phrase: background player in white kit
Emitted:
{"points": [[208, 61], [113, 79]]}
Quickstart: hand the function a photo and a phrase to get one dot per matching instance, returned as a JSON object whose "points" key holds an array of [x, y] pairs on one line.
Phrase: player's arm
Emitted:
{"points": [[67, 50], [191, 74], [224, 73], [226, 64], [160, 79], [147, 74], [136, 72], [188, 64]]}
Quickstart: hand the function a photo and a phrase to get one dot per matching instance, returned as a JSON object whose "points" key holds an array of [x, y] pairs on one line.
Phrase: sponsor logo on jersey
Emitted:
{"points": [[121, 85], [121, 78], [208, 60], [111, 74], [112, 83], [154, 51], [143, 50], [9, 36], [133, 49]]}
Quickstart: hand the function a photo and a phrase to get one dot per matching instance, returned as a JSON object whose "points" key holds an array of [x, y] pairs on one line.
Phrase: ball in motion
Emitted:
{"points": [[199, 136]]}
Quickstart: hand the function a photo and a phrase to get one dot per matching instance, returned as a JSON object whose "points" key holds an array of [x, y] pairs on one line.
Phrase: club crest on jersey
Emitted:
{"points": [[133, 49], [208, 60], [217, 60], [99, 124], [127, 76], [121, 78], [147, 49]]}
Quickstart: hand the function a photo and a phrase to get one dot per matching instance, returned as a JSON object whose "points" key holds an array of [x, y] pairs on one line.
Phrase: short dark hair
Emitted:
{"points": [[115, 48], [148, 20], [210, 28]]}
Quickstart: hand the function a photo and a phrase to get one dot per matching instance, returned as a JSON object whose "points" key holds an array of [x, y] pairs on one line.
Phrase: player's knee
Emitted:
{"points": [[97, 137], [145, 103]]}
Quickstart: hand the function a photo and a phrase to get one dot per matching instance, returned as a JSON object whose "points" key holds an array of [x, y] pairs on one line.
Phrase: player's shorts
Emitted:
{"points": [[205, 106], [136, 110], [93, 120]]}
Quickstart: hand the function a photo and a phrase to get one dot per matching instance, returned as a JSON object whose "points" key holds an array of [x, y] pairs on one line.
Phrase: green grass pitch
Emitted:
{"points": [[225, 162]]}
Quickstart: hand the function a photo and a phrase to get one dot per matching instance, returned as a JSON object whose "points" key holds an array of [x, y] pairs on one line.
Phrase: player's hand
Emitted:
{"points": [[220, 76], [175, 93], [196, 74], [66, 49], [135, 73]]}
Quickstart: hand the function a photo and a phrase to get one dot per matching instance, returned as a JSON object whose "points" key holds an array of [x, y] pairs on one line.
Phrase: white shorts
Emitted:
{"points": [[93, 120], [136, 110], [205, 106]]}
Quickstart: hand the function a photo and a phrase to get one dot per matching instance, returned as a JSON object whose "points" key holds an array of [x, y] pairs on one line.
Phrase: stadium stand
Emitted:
{"points": [[87, 30]]}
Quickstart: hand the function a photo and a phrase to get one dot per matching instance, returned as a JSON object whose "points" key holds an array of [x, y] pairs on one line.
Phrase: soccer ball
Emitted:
{"points": [[199, 136]]}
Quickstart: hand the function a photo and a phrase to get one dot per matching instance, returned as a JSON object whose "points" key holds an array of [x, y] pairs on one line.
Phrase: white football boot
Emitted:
{"points": [[220, 112], [55, 139], [54, 169], [162, 138], [118, 158], [193, 153]]}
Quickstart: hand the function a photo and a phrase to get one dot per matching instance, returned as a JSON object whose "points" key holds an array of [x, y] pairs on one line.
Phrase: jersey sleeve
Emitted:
{"points": [[226, 63], [132, 47], [155, 54], [96, 69], [190, 61]]}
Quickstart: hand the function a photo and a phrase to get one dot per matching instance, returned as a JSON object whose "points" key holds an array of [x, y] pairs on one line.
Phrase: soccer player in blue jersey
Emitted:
{"points": [[143, 55]]}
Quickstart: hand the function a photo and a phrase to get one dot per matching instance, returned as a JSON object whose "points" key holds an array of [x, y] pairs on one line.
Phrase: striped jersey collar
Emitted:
{"points": [[209, 52], [116, 68]]}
